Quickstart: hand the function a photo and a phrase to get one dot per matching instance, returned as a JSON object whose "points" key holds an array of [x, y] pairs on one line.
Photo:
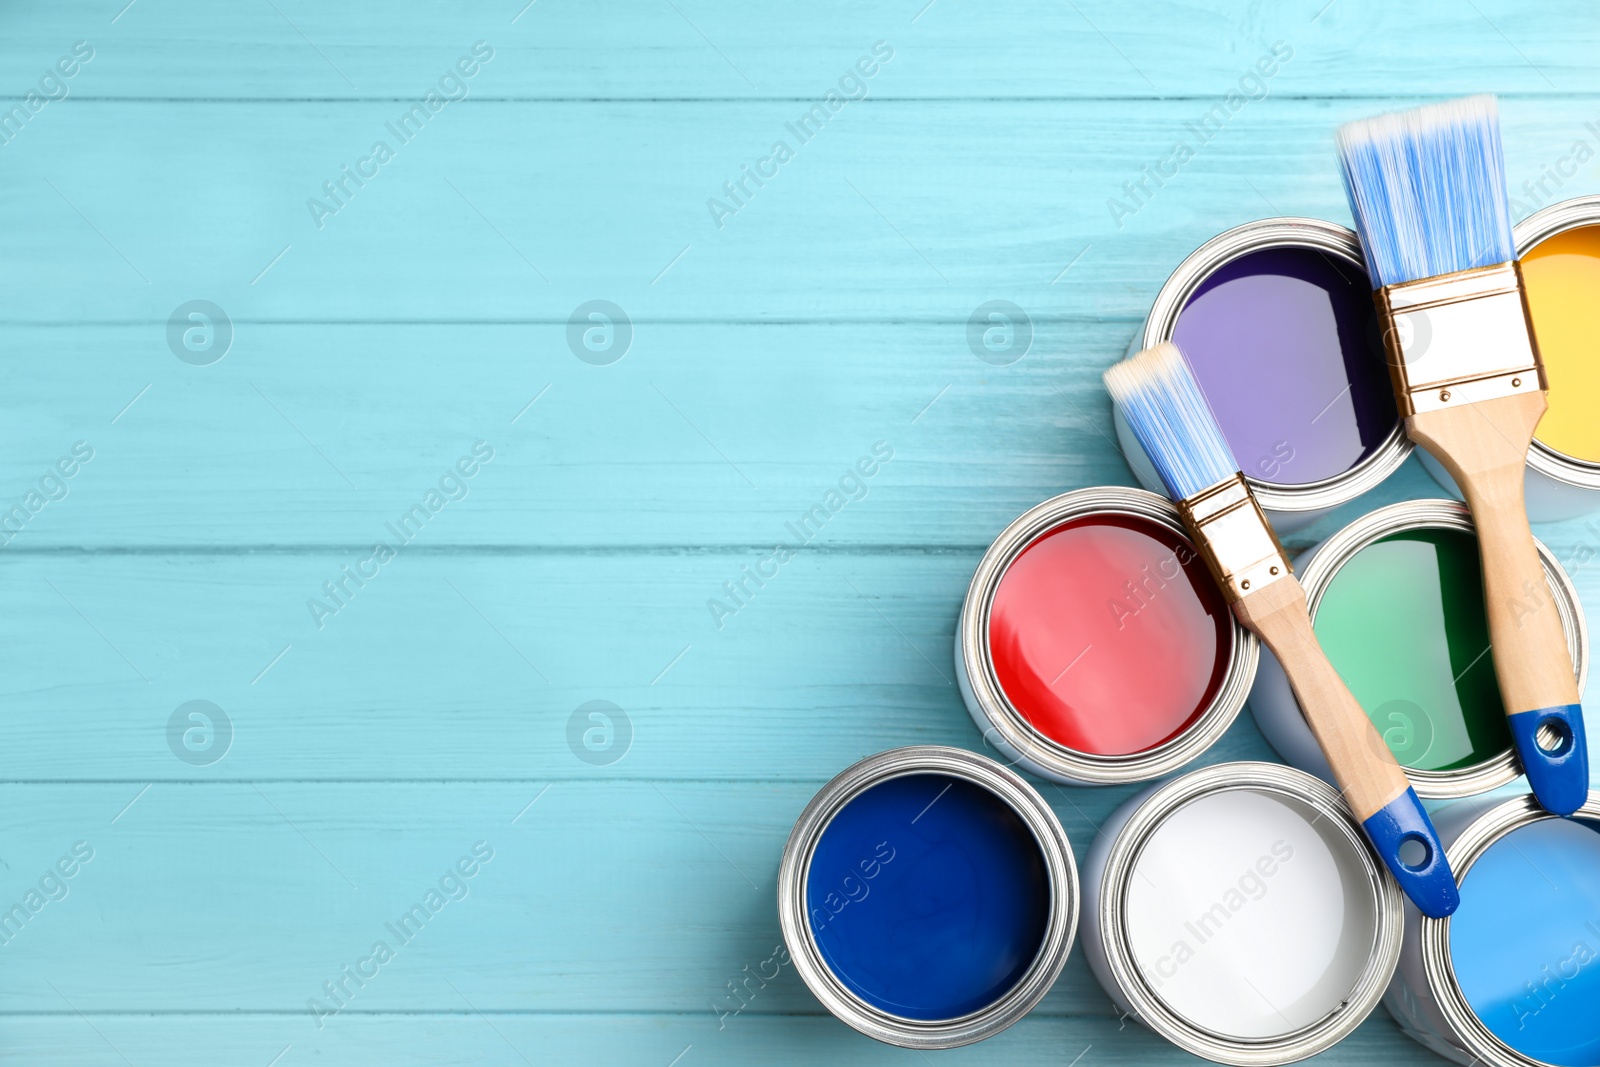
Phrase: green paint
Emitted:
{"points": [[1403, 622]]}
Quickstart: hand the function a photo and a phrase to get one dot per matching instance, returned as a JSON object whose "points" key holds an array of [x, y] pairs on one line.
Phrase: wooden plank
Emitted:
{"points": [[515, 1040], [432, 711], [600, 896], [469, 667], [710, 436], [707, 434], [626, 896], [707, 49], [465, 223], [487, 657]]}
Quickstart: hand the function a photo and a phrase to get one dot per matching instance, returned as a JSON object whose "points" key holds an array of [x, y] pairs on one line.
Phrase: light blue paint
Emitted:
{"points": [[1526, 941], [928, 897], [620, 907]]}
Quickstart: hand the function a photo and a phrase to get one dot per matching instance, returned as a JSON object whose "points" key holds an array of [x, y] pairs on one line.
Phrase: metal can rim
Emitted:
{"points": [[1149, 1007], [1036, 815], [1002, 715], [1467, 848], [1288, 231], [1547, 222], [1339, 549]]}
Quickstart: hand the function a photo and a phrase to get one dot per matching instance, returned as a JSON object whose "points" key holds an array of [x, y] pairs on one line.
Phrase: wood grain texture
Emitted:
{"points": [[520, 211], [430, 313], [461, 1035], [1481, 445], [644, 455], [709, 48], [466, 667], [325, 869], [1365, 769]]}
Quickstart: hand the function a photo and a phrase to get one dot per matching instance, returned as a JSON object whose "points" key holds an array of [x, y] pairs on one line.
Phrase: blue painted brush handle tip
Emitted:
{"points": [[1558, 775], [1428, 882]]}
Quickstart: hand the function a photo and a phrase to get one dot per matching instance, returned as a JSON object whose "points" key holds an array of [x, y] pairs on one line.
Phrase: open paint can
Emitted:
{"points": [[1277, 321], [1238, 912], [1512, 979], [1396, 601], [1559, 247], [1094, 647], [928, 897]]}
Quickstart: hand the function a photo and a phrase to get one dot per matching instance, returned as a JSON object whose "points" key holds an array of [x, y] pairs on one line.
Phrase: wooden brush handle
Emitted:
{"points": [[1373, 784], [1484, 446], [1365, 769]]}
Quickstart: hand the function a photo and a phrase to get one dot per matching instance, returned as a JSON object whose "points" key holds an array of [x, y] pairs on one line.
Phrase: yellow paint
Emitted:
{"points": [[1563, 279]]}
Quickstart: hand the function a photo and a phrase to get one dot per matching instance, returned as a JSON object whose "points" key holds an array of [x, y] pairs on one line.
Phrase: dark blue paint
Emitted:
{"points": [[1430, 884], [1560, 779], [1526, 941], [928, 896]]}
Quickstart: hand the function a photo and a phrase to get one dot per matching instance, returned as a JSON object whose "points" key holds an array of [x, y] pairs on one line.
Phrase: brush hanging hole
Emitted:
{"points": [[1553, 737], [1414, 853]]}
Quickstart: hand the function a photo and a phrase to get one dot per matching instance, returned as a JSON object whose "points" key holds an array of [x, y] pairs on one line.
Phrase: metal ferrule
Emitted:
{"points": [[1233, 535], [1459, 339]]}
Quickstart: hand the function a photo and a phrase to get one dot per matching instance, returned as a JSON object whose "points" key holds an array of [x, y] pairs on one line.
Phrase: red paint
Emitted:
{"points": [[1108, 635]]}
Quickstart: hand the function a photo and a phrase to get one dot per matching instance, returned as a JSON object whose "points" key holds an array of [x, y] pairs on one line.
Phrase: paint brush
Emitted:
{"points": [[1163, 406], [1428, 191]]}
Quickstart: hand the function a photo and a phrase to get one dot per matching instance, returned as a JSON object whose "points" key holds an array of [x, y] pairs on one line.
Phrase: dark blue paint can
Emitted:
{"points": [[928, 896]]}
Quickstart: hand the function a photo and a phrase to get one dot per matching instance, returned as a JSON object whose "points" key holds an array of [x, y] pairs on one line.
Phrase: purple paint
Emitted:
{"points": [[1284, 343]]}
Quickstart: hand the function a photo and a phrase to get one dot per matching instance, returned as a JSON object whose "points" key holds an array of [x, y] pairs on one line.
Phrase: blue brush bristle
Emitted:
{"points": [[1166, 411], [1428, 189]]}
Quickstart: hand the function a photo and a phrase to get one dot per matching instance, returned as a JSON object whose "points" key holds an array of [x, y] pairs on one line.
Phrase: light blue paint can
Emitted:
{"points": [[1513, 978]]}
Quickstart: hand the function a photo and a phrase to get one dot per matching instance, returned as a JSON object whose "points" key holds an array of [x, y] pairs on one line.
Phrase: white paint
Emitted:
{"points": [[1248, 918]]}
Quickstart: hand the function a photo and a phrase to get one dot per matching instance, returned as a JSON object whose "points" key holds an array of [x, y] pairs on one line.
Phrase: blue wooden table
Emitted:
{"points": [[304, 297]]}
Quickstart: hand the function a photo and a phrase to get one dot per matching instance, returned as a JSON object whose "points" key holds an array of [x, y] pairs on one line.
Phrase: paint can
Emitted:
{"points": [[1238, 912], [1276, 319], [1559, 247], [1094, 647], [928, 897], [1396, 599], [1512, 979]]}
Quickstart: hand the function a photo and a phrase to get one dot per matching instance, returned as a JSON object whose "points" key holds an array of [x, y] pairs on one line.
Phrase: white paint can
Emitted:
{"points": [[1238, 912]]}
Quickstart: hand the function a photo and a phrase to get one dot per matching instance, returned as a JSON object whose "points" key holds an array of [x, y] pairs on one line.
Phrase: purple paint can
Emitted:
{"points": [[1277, 321]]}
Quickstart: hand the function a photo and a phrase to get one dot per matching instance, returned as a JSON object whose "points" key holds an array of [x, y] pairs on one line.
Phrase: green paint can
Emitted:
{"points": [[1397, 602]]}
